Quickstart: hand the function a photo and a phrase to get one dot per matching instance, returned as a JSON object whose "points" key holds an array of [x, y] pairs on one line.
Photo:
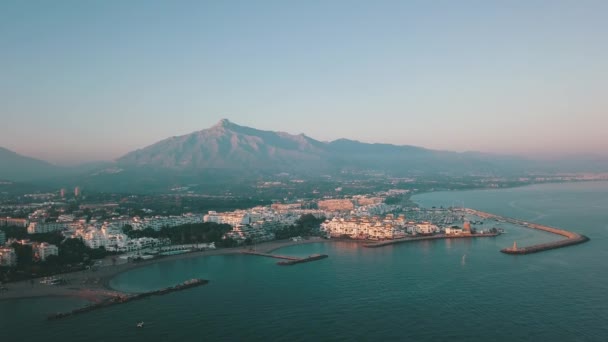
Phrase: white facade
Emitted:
{"points": [[234, 218], [44, 250], [367, 228], [426, 228], [8, 257], [453, 231], [45, 227], [158, 222], [9, 221]]}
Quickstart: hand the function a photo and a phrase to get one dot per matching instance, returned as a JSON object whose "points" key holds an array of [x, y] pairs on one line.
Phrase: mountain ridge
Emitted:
{"points": [[227, 145], [230, 152], [17, 167]]}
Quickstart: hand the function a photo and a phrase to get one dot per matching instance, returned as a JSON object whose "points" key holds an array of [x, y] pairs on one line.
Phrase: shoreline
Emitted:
{"points": [[94, 286]]}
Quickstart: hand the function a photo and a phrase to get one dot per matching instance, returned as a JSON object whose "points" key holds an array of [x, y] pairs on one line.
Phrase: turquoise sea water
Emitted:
{"points": [[459, 290]]}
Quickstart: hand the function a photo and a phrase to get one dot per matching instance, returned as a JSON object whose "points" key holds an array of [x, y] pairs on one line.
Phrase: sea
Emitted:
{"points": [[444, 290]]}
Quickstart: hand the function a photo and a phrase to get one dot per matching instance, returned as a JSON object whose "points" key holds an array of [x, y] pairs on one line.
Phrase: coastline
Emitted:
{"points": [[94, 286]]}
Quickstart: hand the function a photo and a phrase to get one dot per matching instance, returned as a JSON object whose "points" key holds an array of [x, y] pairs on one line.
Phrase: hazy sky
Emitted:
{"points": [[90, 80]]}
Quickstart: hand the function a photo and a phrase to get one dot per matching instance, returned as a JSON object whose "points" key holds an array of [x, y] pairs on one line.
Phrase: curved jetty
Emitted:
{"points": [[289, 260], [128, 298], [433, 237], [299, 261], [571, 238], [268, 255]]}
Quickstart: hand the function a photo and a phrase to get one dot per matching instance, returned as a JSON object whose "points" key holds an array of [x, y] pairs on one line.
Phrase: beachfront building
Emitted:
{"points": [[44, 250], [233, 218], [425, 228], [129, 245], [8, 257], [46, 227], [158, 222], [113, 239], [192, 246], [10, 221], [453, 231], [255, 232], [366, 228]]}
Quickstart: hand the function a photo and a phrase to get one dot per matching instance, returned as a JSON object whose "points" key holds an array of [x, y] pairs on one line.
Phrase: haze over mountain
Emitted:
{"points": [[227, 145], [227, 152], [16, 167]]}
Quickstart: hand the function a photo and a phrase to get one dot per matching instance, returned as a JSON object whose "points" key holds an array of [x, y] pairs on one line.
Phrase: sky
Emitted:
{"points": [[92, 80]]}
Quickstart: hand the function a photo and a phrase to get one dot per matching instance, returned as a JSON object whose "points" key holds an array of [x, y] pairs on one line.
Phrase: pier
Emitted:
{"points": [[571, 237], [121, 299], [268, 255], [302, 260], [288, 260]]}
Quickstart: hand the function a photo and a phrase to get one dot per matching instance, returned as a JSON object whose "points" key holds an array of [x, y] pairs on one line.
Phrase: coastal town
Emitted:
{"points": [[41, 235]]}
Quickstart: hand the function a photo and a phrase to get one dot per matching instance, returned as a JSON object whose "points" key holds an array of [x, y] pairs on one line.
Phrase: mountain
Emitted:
{"points": [[228, 146], [16, 167]]}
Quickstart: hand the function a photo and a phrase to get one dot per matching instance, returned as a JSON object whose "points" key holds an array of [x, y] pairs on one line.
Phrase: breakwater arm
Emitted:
{"points": [[288, 261], [128, 298], [421, 238], [571, 237], [303, 260]]}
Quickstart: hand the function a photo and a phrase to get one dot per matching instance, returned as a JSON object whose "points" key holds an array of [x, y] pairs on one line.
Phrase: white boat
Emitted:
{"points": [[140, 324]]}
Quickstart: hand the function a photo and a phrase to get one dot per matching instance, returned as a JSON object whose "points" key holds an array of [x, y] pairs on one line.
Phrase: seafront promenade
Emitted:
{"points": [[94, 286], [571, 237]]}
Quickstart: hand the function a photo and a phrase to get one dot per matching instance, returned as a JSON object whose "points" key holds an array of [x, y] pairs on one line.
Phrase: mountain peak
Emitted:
{"points": [[224, 123]]}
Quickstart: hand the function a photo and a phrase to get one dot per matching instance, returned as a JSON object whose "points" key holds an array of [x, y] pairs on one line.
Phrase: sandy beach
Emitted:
{"points": [[94, 285]]}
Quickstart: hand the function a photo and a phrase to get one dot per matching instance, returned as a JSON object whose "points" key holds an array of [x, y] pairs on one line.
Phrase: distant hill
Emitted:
{"points": [[16, 167]]}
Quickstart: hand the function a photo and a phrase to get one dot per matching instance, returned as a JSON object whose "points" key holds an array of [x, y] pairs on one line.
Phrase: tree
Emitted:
{"points": [[127, 229], [25, 255], [15, 232], [306, 225]]}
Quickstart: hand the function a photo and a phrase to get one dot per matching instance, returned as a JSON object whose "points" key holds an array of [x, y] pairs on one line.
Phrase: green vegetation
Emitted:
{"points": [[188, 233], [307, 225], [13, 232], [74, 255]]}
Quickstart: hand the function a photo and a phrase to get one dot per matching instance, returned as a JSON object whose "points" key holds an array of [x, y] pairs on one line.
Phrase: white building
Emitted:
{"points": [[366, 228], [158, 222], [9, 221], [234, 218], [8, 257], [426, 228], [44, 250], [453, 231], [45, 227]]}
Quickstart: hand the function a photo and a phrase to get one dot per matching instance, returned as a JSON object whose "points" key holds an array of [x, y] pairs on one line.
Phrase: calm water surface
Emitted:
{"points": [[461, 290]]}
